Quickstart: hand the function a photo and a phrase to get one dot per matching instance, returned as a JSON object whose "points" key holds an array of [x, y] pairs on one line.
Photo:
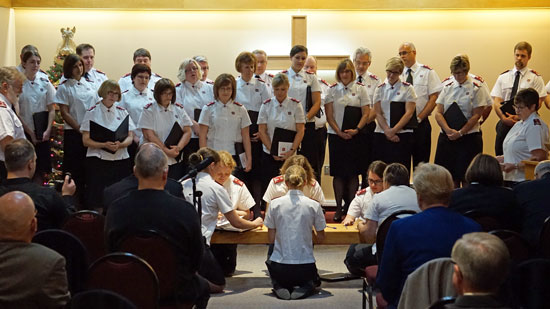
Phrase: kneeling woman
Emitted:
{"points": [[107, 162], [290, 219]]}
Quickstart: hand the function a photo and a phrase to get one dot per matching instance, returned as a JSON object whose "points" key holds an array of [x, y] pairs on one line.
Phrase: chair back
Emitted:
{"points": [[159, 252], [385, 227], [544, 243], [531, 285], [74, 252], [99, 299], [518, 247], [488, 223], [88, 226], [127, 275]]}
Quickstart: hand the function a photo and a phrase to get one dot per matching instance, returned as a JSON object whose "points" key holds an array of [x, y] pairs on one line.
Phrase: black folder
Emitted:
{"points": [[397, 110], [40, 120], [175, 135], [352, 116], [454, 117], [196, 114], [281, 135], [508, 107], [101, 134], [309, 102], [239, 149], [254, 119]]}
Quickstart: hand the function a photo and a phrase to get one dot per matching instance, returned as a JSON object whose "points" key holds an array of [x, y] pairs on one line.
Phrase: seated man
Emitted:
{"points": [[414, 240], [52, 208], [152, 208], [481, 265], [532, 198], [33, 276], [397, 196]]}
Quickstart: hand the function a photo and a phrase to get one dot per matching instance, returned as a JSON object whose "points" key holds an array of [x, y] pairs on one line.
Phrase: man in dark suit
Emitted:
{"points": [[130, 183], [431, 234], [532, 198], [33, 276], [481, 266], [52, 208]]}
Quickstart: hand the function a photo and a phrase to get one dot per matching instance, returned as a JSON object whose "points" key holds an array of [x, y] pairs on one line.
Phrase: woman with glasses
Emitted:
{"points": [[459, 108], [108, 161]]}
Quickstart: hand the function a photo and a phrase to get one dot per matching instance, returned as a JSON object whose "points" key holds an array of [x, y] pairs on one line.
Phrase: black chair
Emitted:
{"points": [[530, 284], [88, 226], [544, 243], [74, 252], [487, 222], [372, 271], [127, 275], [99, 299], [518, 247], [440, 304]]}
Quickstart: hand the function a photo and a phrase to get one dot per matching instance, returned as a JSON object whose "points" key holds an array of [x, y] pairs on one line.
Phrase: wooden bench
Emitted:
{"points": [[335, 234]]}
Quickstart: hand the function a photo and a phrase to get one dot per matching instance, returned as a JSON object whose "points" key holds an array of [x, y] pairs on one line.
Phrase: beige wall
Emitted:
{"points": [[7, 36], [487, 36]]}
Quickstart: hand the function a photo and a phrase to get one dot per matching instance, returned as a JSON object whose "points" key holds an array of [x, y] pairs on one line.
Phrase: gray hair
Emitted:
{"points": [[433, 183], [18, 153], [396, 174], [150, 161], [410, 45], [259, 51], [482, 259], [542, 168], [200, 58], [361, 51], [184, 64]]}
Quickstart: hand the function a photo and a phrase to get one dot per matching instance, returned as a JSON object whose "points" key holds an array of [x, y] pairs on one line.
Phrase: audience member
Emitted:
{"points": [[52, 208], [431, 234], [33, 276]]}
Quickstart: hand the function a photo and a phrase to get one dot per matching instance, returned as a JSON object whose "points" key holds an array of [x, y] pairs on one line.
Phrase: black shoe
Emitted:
{"points": [[282, 293], [300, 292], [338, 215]]}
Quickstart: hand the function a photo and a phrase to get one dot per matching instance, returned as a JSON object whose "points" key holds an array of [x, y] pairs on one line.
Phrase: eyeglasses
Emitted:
{"points": [[193, 69], [375, 182], [403, 53], [393, 72], [115, 93]]}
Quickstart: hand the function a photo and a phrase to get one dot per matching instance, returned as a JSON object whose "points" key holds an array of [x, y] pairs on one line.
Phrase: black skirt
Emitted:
{"points": [[345, 156], [456, 155]]}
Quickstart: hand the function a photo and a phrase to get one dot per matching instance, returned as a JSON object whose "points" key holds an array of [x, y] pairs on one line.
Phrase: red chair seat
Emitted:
{"points": [[370, 274]]}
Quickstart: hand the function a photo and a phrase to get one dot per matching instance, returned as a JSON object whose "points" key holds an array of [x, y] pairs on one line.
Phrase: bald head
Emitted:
{"points": [[311, 64], [150, 162], [17, 217]]}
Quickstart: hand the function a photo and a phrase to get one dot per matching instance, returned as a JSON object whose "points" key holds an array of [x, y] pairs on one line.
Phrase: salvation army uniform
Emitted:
{"points": [[345, 155], [277, 188], [360, 203], [94, 77], [125, 82], [268, 79], [384, 149], [321, 130], [313, 139], [275, 114], [104, 168], [79, 96], [35, 98], [524, 137], [40, 72], [426, 82], [503, 89], [456, 155], [10, 126], [477, 79], [193, 97], [161, 120]]}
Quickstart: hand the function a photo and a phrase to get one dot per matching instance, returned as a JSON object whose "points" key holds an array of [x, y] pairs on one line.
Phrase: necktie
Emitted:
{"points": [[87, 76], [360, 78], [257, 76], [409, 76], [515, 86]]}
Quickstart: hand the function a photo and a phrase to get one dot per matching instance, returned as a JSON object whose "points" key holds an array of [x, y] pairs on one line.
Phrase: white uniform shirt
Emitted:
{"points": [[10, 125], [194, 96], [225, 122], [268, 79], [79, 96], [528, 79], [35, 98], [370, 81], [322, 121], [94, 77], [393, 199], [125, 82], [251, 94], [214, 199], [240, 197], [386, 93], [298, 86], [161, 120], [341, 96], [476, 79], [40, 73], [360, 203], [293, 216], [425, 82], [468, 95], [110, 118], [277, 188], [134, 101], [524, 137], [548, 87]]}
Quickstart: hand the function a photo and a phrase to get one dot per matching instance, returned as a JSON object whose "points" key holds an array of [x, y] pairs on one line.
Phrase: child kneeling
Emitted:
{"points": [[290, 220]]}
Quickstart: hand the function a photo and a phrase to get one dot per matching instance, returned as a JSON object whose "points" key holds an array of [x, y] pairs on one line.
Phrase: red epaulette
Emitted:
{"points": [[121, 108], [210, 82], [260, 79], [92, 108], [373, 76], [238, 182], [406, 84], [333, 85], [324, 82], [178, 84], [284, 71], [157, 75], [295, 100], [123, 92], [449, 84], [63, 82], [505, 72], [382, 84], [98, 71], [270, 75], [43, 71], [313, 182], [536, 122], [476, 84], [178, 105], [278, 179], [147, 106], [427, 67], [361, 192], [308, 72], [237, 103], [3, 104], [267, 101], [446, 79], [210, 104], [126, 75], [360, 84], [535, 72], [479, 78]]}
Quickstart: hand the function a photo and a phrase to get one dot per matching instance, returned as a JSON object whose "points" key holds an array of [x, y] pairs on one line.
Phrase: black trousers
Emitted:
{"points": [[313, 147], [358, 257], [253, 179], [101, 174], [3, 172], [210, 269], [270, 168], [74, 154], [502, 131], [290, 275], [456, 155], [226, 255], [422, 143], [391, 152]]}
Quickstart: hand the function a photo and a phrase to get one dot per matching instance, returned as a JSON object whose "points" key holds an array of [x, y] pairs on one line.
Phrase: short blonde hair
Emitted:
{"points": [[109, 85], [395, 63], [300, 161], [185, 63], [226, 159], [433, 183], [280, 79], [295, 177], [345, 64]]}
